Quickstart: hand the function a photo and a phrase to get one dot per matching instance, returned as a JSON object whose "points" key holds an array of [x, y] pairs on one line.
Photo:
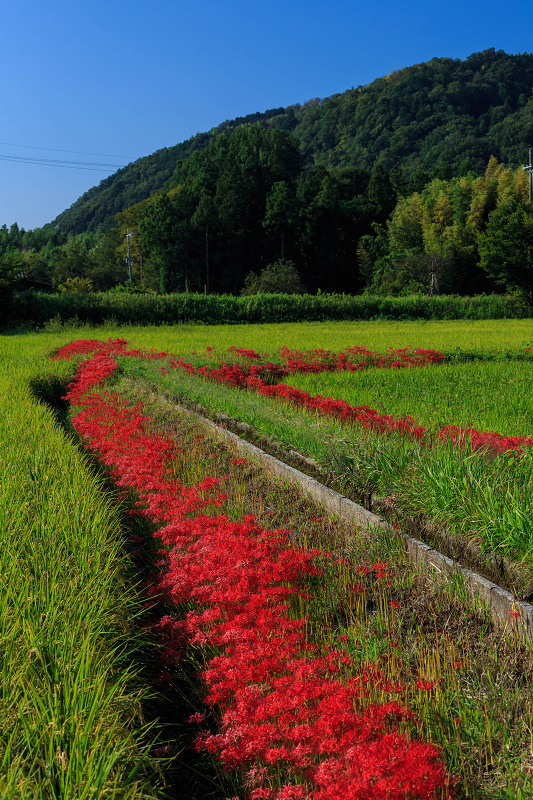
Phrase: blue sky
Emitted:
{"points": [[123, 79]]}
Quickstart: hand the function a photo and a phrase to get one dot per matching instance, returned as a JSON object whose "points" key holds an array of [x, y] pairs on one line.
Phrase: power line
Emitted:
{"points": [[65, 164], [31, 159], [56, 150]]}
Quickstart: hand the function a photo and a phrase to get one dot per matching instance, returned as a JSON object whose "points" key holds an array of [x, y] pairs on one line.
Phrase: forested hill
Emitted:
{"points": [[439, 115]]}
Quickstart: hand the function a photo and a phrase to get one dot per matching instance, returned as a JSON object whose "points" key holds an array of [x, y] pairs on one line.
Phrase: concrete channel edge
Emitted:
{"points": [[499, 602]]}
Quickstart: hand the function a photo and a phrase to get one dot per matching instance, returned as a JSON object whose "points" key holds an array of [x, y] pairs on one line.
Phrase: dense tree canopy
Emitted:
{"points": [[249, 199], [447, 231], [447, 114], [230, 200], [506, 246]]}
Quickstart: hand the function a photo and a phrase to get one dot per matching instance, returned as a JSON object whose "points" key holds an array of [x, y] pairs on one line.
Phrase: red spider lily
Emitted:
{"points": [[280, 700], [480, 440], [248, 354], [111, 347], [252, 378], [357, 358], [427, 686]]}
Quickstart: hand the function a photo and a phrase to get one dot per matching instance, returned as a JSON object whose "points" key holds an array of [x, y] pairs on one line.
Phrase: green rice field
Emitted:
{"points": [[481, 337], [68, 694], [71, 720], [489, 396]]}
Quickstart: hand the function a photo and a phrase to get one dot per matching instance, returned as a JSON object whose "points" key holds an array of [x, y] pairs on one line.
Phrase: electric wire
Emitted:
{"points": [[57, 150], [95, 166]]}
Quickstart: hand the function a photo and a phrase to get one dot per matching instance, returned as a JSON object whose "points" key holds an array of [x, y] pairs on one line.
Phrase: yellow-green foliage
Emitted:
{"points": [[65, 695], [455, 211]]}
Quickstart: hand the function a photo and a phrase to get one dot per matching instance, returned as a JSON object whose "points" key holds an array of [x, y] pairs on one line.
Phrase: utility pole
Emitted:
{"points": [[207, 258], [529, 168], [128, 260], [433, 283]]}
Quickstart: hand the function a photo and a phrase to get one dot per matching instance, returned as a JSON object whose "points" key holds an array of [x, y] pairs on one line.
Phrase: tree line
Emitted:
{"points": [[249, 213]]}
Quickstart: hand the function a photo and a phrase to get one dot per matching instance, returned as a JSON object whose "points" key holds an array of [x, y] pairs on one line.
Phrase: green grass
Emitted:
{"points": [[489, 396], [483, 337], [69, 698]]}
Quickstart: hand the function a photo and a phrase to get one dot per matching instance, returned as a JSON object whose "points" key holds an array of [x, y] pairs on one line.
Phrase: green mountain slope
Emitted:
{"points": [[440, 114]]}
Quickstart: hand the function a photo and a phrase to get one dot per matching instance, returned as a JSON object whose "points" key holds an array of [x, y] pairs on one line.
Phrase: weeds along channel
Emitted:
{"points": [[467, 686], [464, 485]]}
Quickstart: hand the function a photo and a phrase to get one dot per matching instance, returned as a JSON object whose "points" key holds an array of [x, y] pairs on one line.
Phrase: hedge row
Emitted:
{"points": [[36, 308]]}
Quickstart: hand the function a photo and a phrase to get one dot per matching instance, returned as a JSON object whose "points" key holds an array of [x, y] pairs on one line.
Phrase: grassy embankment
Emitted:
{"points": [[482, 500], [478, 707]]}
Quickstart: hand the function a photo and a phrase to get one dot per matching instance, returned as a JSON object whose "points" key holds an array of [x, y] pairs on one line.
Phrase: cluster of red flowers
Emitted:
{"points": [[85, 347], [249, 355], [481, 440], [357, 358], [286, 717], [351, 359], [112, 347]]}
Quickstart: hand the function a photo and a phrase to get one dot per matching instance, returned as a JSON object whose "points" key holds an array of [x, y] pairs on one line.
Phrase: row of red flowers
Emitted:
{"points": [[350, 359], [258, 377], [286, 718], [253, 378], [318, 360]]}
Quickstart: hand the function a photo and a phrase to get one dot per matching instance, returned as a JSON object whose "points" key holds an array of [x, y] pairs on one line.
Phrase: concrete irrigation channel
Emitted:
{"points": [[498, 602]]}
